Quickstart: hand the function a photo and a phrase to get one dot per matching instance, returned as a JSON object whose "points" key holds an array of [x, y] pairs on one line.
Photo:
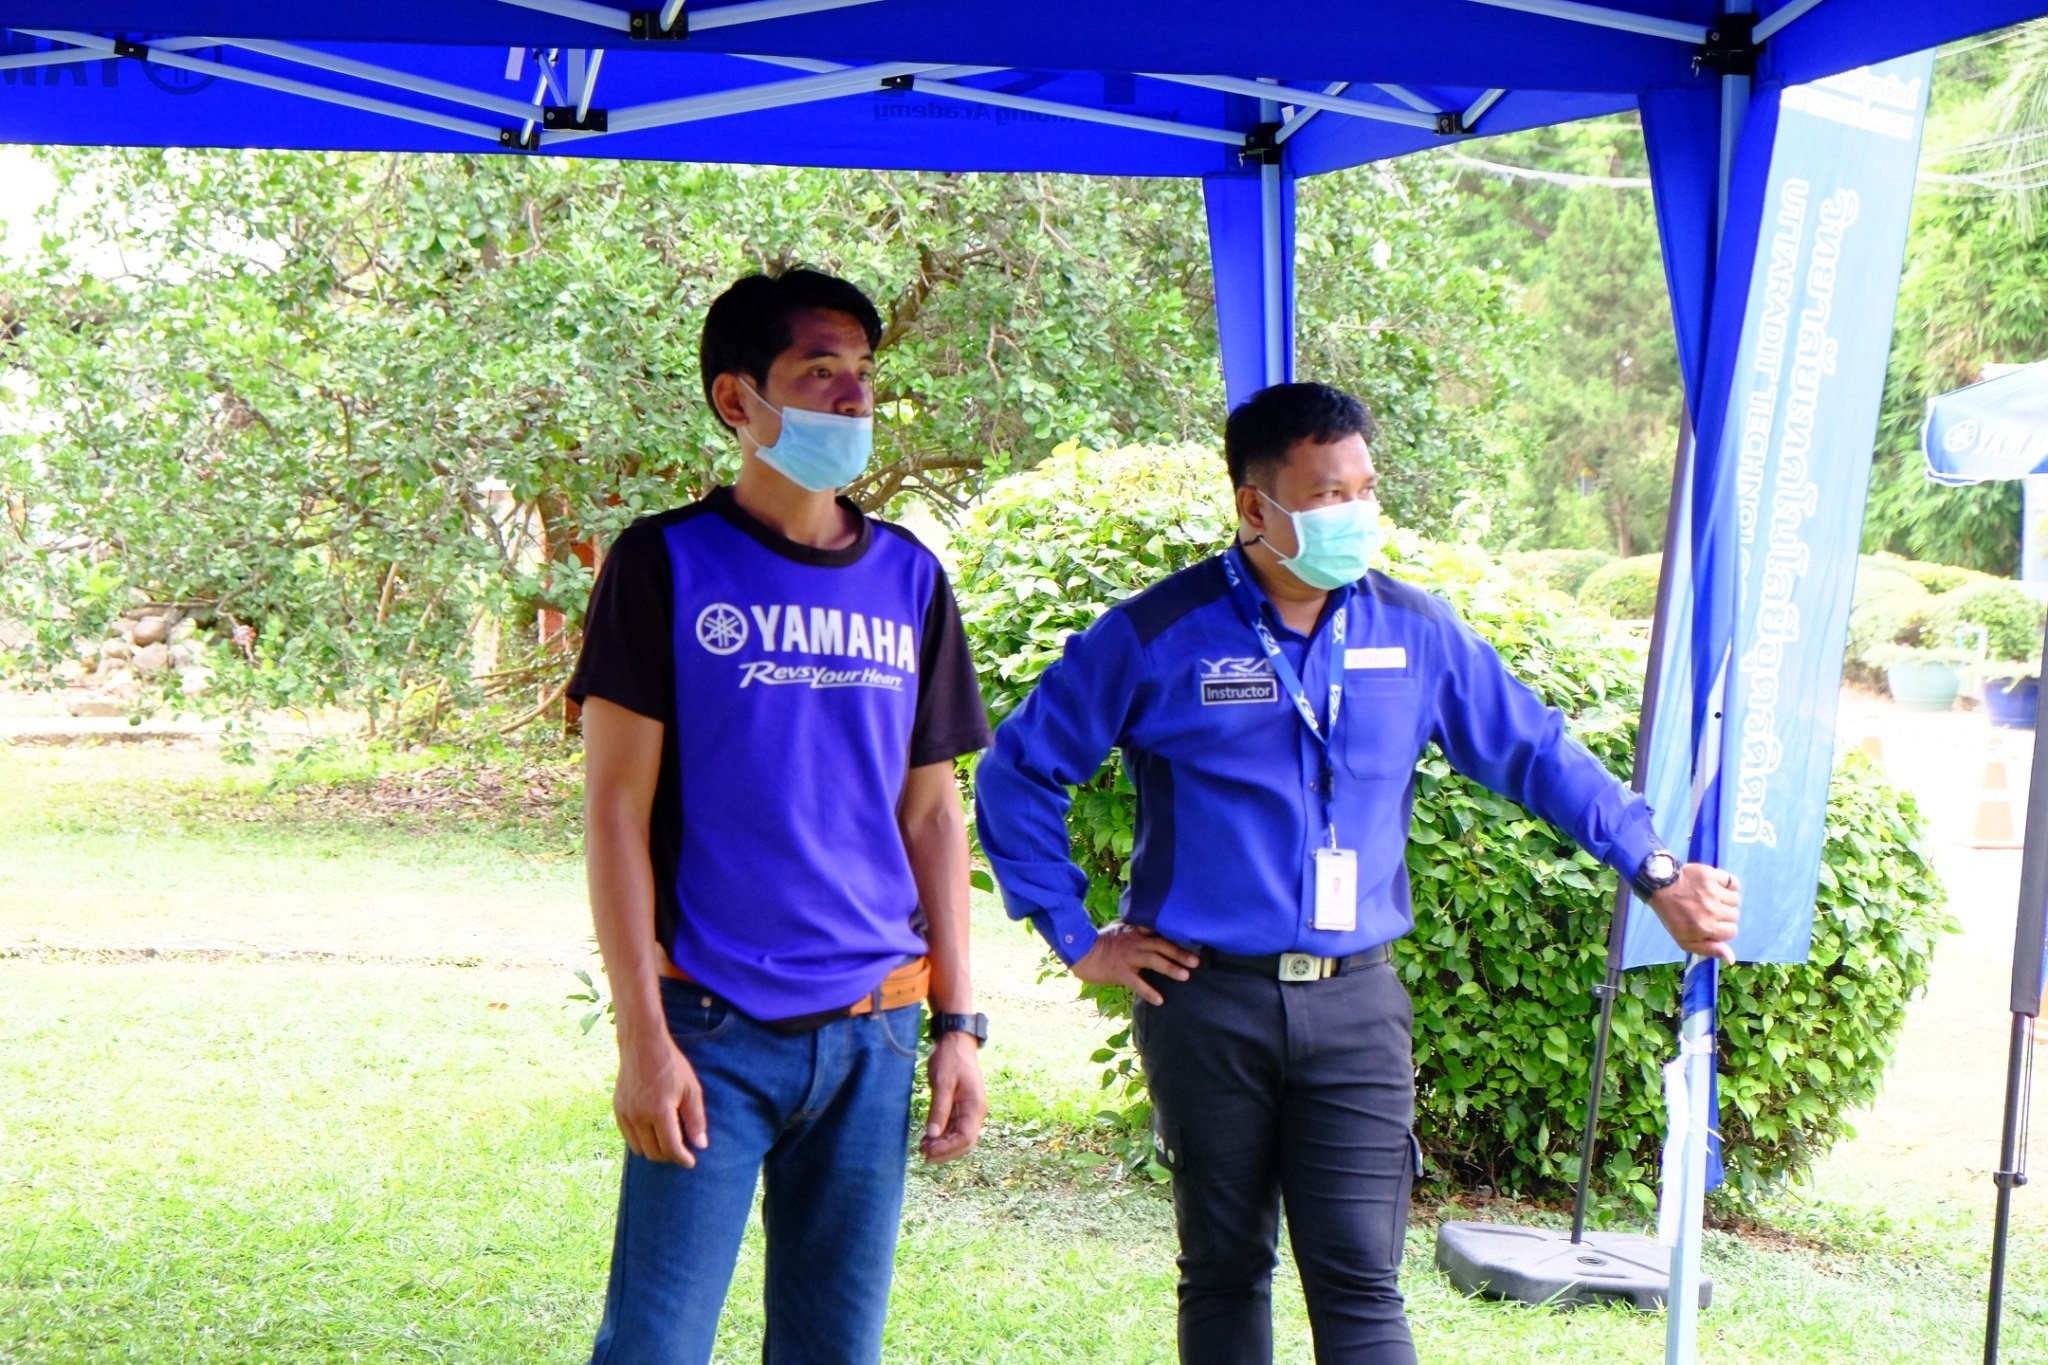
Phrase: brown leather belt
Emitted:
{"points": [[907, 985]]}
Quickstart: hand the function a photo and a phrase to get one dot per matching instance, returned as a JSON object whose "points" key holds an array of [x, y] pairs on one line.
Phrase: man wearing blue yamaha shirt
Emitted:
{"points": [[775, 687], [1270, 705]]}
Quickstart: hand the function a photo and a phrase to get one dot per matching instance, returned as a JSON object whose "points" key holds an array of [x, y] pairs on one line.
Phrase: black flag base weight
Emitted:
{"points": [[1545, 1266]]}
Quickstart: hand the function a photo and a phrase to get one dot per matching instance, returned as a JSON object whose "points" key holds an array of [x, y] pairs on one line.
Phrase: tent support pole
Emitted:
{"points": [[1272, 265], [2008, 1175], [2029, 931], [1606, 991], [1696, 1030]]}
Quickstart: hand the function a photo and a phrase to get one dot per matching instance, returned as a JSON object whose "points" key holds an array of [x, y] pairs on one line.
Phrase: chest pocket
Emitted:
{"points": [[1380, 735]]}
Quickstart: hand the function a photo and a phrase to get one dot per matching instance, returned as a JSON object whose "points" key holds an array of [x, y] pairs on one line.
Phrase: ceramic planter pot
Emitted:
{"points": [[1923, 686], [2012, 702]]}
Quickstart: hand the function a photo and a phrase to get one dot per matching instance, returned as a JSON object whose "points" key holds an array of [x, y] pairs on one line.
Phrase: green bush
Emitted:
{"points": [[2010, 618], [1936, 578], [1564, 570], [1625, 589], [1511, 921], [1890, 608], [1511, 917]]}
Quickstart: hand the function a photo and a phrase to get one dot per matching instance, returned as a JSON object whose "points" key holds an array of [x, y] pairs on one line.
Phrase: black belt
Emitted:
{"points": [[1295, 966]]}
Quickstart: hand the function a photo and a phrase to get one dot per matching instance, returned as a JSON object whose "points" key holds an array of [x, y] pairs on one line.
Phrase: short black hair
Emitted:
{"points": [[749, 324], [1267, 425]]}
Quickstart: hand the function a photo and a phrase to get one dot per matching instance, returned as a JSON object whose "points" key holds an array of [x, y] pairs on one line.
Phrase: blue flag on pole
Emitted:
{"points": [[1994, 429], [1801, 416]]}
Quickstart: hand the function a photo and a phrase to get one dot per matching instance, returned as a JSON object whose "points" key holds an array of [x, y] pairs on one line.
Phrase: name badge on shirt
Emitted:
{"points": [[1389, 656], [1336, 889]]}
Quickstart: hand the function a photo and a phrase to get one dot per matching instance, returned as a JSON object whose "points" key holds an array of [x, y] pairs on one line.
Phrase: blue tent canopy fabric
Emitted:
{"points": [[70, 86], [1994, 429], [1561, 46]]}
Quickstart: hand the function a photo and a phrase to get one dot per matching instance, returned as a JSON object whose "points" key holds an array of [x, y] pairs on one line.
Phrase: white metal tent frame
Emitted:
{"points": [[562, 106]]}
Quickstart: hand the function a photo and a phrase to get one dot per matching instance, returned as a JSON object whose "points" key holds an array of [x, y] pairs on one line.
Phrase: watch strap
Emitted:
{"points": [[975, 1025], [1645, 885]]}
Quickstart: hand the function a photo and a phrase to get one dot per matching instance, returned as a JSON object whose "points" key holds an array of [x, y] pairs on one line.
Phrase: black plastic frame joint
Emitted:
{"points": [[1730, 49], [509, 137], [561, 118], [124, 48], [1261, 146], [1450, 123], [646, 24], [899, 82]]}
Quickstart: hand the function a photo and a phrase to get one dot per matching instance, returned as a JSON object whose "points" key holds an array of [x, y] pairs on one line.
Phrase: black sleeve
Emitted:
{"points": [[950, 719], [627, 658]]}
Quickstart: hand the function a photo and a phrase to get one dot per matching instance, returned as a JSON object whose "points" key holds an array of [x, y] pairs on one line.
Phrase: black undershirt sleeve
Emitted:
{"points": [[950, 719], [627, 658]]}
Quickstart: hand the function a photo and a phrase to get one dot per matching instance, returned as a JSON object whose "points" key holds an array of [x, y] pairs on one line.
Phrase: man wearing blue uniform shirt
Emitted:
{"points": [[1270, 704], [775, 687]]}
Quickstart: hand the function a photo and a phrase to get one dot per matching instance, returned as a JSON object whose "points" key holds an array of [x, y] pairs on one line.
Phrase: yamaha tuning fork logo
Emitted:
{"points": [[1238, 682], [721, 628]]}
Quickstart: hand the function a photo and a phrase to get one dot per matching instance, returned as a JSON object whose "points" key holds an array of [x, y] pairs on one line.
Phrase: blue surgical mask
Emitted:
{"points": [[821, 451], [1334, 545]]}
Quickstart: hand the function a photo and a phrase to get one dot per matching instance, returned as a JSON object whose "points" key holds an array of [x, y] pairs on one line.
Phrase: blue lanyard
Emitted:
{"points": [[1248, 609]]}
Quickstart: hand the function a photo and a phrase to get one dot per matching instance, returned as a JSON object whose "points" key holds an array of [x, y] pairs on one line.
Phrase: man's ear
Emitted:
{"points": [[728, 401], [1251, 509]]}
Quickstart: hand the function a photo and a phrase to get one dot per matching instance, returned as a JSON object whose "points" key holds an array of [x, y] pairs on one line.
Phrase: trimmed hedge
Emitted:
{"points": [[1625, 589], [1905, 603], [1511, 917], [2011, 619], [1564, 570]]}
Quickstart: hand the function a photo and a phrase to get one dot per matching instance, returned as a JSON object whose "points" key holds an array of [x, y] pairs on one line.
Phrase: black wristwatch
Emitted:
{"points": [[975, 1025], [1658, 871]]}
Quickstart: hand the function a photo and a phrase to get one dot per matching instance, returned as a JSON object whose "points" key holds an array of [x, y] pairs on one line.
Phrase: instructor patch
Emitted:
{"points": [[1233, 682]]}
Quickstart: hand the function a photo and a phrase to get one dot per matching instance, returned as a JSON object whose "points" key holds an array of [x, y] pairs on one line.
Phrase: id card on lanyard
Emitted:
{"points": [[1336, 889]]}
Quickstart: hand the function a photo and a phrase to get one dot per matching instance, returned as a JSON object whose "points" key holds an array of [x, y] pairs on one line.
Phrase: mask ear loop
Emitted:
{"points": [[1260, 538], [756, 393]]}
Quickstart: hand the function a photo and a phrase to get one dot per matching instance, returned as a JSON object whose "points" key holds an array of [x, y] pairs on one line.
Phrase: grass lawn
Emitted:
{"points": [[232, 1151]]}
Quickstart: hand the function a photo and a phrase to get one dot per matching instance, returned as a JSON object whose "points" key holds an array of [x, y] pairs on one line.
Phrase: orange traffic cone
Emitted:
{"points": [[1994, 826]]}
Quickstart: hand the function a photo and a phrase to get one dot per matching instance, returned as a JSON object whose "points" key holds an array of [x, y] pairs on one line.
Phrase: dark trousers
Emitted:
{"points": [[1266, 1093]]}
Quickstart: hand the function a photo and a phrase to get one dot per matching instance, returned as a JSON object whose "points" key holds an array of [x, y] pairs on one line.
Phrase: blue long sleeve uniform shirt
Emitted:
{"points": [[1231, 804]]}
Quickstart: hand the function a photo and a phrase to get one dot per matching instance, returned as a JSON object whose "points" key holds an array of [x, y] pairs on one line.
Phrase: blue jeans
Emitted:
{"points": [[824, 1118]]}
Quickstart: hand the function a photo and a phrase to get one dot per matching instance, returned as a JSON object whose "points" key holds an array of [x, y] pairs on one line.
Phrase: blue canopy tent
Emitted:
{"points": [[1247, 97]]}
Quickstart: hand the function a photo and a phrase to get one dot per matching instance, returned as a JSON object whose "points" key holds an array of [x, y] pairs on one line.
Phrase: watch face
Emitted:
{"points": [[1661, 867]]}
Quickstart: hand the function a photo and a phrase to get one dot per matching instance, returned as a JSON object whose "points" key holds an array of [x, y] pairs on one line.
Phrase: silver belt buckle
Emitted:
{"points": [[1300, 967]]}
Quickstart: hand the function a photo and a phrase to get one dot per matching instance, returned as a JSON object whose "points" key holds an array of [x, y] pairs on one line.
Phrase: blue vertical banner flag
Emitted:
{"points": [[1794, 444]]}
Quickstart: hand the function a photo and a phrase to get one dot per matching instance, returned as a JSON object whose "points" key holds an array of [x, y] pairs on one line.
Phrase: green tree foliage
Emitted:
{"points": [[1389, 311], [1975, 292], [1510, 915], [277, 387], [1604, 397]]}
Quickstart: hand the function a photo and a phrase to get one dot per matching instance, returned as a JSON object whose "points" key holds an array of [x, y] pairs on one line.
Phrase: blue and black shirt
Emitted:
{"points": [[1230, 782], [796, 687]]}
